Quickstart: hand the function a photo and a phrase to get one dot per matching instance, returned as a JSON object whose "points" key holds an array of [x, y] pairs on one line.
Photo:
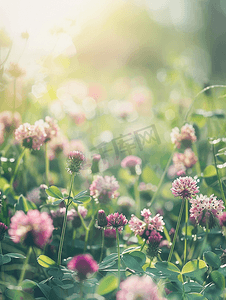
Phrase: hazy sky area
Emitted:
{"points": [[38, 18]]}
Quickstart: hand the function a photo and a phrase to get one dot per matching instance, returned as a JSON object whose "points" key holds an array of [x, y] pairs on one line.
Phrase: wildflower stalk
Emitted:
{"points": [[119, 262], [46, 165], [64, 224], [186, 230], [137, 197], [16, 168], [205, 239], [177, 229], [25, 266], [162, 178], [218, 176], [102, 245]]}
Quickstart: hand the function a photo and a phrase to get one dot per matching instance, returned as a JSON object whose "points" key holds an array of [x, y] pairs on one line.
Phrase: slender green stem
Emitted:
{"points": [[142, 247], [102, 244], [119, 262], [162, 178], [81, 289], [38, 265], [177, 229], [218, 176], [16, 168], [64, 225], [46, 165], [25, 266], [186, 230], [137, 196], [2, 267]]}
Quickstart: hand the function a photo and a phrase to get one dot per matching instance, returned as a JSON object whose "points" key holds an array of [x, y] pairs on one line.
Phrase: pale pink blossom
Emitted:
{"points": [[56, 146], [31, 136], [10, 121], [33, 229], [131, 161], [185, 187], [136, 287], [206, 209], [103, 189], [186, 136]]}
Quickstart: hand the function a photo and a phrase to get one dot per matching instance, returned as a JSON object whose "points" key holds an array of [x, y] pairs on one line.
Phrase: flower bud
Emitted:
{"points": [[75, 162], [102, 219]]}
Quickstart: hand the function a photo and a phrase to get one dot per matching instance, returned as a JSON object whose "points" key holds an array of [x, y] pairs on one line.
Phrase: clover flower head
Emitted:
{"points": [[103, 189], [84, 265], [102, 219], [185, 187], [136, 225], [206, 210], [75, 162], [135, 287], [32, 229], [116, 220], [185, 136]]}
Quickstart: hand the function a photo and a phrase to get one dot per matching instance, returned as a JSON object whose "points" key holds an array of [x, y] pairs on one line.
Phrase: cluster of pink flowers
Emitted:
{"points": [[185, 187], [117, 221], [135, 287], [186, 136], [103, 189], [34, 136], [183, 161], [75, 162], [206, 209], [84, 266], [33, 229], [147, 229]]}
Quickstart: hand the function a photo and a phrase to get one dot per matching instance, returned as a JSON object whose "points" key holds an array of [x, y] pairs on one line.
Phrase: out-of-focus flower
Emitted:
{"points": [[184, 187], [25, 35], [147, 187], [102, 219], [135, 287], [186, 136], [75, 162], [125, 204], [15, 71], [31, 136], [206, 210], [117, 221], [133, 163], [10, 121], [3, 229], [33, 229], [2, 130], [84, 265], [110, 233], [222, 220], [57, 145], [74, 145], [103, 189], [183, 161], [73, 215], [5, 40], [51, 128], [34, 195]]}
